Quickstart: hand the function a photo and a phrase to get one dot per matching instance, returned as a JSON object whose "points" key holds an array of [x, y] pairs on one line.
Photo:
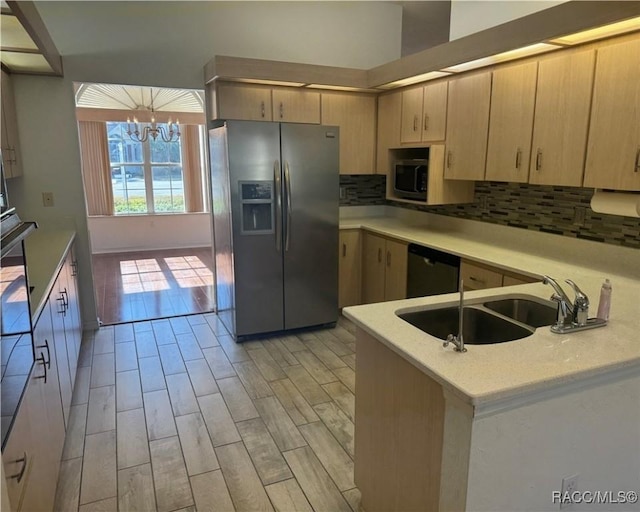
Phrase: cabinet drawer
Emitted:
{"points": [[477, 277]]}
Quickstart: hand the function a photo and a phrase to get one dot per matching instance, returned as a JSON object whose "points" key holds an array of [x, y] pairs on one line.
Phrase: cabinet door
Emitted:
{"points": [[411, 115], [47, 423], [434, 111], [349, 265], [395, 279], [613, 153], [513, 94], [291, 105], [11, 157], [242, 101], [561, 119], [57, 305], [467, 127], [355, 114], [389, 116], [478, 277], [73, 320], [373, 268]]}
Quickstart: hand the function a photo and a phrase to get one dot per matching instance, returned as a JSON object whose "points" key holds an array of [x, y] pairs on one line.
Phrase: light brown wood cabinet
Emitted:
{"points": [[468, 126], [389, 115], [293, 105], [11, 157], [613, 152], [349, 265], [37, 438], [355, 114], [513, 94], [384, 269], [424, 113], [477, 276], [242, 101], [561, 119]]}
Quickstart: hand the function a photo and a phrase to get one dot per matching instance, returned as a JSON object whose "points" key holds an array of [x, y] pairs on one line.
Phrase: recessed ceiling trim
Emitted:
{"points": [[30, 19]]}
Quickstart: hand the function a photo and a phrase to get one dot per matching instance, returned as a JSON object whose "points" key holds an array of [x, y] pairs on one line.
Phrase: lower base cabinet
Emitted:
{"points": [[477, 276], [32, 455], [349, 264], [384, 269]]}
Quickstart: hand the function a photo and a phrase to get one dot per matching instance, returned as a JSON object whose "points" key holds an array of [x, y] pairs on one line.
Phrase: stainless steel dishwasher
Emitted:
{"points": [[431, 272]]}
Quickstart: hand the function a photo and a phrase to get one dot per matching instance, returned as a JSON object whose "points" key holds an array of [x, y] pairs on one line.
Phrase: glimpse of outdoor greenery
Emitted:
{"points": [[139, 204]]}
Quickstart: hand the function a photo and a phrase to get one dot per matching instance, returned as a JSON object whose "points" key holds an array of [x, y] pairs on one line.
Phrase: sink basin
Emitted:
{"points": [[535, 314], [480, 326]]}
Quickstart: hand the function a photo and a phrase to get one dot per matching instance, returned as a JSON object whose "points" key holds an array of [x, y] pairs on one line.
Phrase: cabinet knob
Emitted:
{"points": [[281, 110], [449, 159], [539, 160], [44, 366], [415, 123], [388, 258], [518, 158], [344, 250], [379, 255], [46, 346], [637, 168], [262, 109], [426, 122]]}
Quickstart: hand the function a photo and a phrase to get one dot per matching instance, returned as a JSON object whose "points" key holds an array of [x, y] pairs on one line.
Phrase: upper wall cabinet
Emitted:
{"points": [[11, 157], [613, 153], [292, 105], [424, 113], [252, 102], [561, 119], [467, 126], [242, 101], [355, 114], [389, 113], [513, 95]]}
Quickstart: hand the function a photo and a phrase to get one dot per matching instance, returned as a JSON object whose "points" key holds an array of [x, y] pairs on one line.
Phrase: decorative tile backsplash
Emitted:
{"points": [[541, 208]]}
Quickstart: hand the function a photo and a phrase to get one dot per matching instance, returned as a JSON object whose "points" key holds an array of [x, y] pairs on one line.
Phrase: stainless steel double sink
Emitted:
{"points": [[486, 321]]}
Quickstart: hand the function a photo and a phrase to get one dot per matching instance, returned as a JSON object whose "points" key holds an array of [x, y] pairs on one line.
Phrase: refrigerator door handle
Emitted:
{"points": [[287, 188], [278, 198]]}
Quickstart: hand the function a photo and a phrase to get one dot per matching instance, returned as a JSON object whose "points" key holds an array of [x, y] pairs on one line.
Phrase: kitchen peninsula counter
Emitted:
{"points": [[544, 360], [500, 426]]}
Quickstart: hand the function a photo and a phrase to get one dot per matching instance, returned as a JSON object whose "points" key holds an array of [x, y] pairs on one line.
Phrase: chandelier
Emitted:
{"points": [[142, 134]]}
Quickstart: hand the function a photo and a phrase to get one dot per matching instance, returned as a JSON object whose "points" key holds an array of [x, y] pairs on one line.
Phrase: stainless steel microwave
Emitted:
{"points": [[410, 179]]}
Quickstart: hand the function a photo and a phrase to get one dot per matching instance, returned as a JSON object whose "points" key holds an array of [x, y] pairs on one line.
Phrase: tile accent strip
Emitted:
{"points": [[541, 208]]}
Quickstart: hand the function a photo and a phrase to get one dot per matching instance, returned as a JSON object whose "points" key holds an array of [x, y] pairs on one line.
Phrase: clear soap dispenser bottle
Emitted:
{"points": [[605, 300]]}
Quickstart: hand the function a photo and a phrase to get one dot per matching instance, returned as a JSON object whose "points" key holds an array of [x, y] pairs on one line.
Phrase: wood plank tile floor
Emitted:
{"points": [[172, 415], [134, 286]]}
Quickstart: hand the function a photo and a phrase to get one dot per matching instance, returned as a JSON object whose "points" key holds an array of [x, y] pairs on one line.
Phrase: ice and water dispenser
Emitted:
{"points": [[256, 207]]}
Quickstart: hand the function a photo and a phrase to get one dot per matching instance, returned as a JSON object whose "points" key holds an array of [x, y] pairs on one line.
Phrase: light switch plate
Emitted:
{"points": [[47, 199]]}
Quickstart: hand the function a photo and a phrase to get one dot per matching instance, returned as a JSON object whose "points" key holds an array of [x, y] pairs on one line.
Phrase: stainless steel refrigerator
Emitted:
{"points": [[275, 189]]}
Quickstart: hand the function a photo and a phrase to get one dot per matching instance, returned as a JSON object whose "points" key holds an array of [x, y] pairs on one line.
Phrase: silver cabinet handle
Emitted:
{"points": [[388, 258], [379, 255], [278, 197], [281, 110], [426, 122], [262, 109], [539, 160], [46, 346], [18, 476], [344, 250], [637, 168], [415, 123], [518, 158], [287, 186], [74, 266], [449, 159]]}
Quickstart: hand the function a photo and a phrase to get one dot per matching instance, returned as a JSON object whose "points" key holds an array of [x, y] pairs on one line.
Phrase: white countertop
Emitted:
{"points": [[490, 374], [45, 251]]}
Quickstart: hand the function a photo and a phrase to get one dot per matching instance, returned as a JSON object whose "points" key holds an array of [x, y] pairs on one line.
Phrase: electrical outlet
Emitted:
{"points": [[47, 199], [484, 202], [569, 486], [343, 192]]}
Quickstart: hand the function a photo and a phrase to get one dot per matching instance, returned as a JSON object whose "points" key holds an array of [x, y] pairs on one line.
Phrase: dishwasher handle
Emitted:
{"points": [[433, 256]]}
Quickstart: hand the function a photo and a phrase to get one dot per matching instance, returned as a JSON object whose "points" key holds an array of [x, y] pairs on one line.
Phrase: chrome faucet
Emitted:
{"points": [[571, 316], [458, 341]]}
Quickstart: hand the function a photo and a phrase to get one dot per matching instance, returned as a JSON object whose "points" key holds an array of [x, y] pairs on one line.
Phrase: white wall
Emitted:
{"points": [[470, 16], [167, 44], [149, 232], [520, 457]]}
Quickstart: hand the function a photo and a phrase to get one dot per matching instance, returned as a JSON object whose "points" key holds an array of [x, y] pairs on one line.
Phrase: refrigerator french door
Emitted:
{"points": [[275, 189]]}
